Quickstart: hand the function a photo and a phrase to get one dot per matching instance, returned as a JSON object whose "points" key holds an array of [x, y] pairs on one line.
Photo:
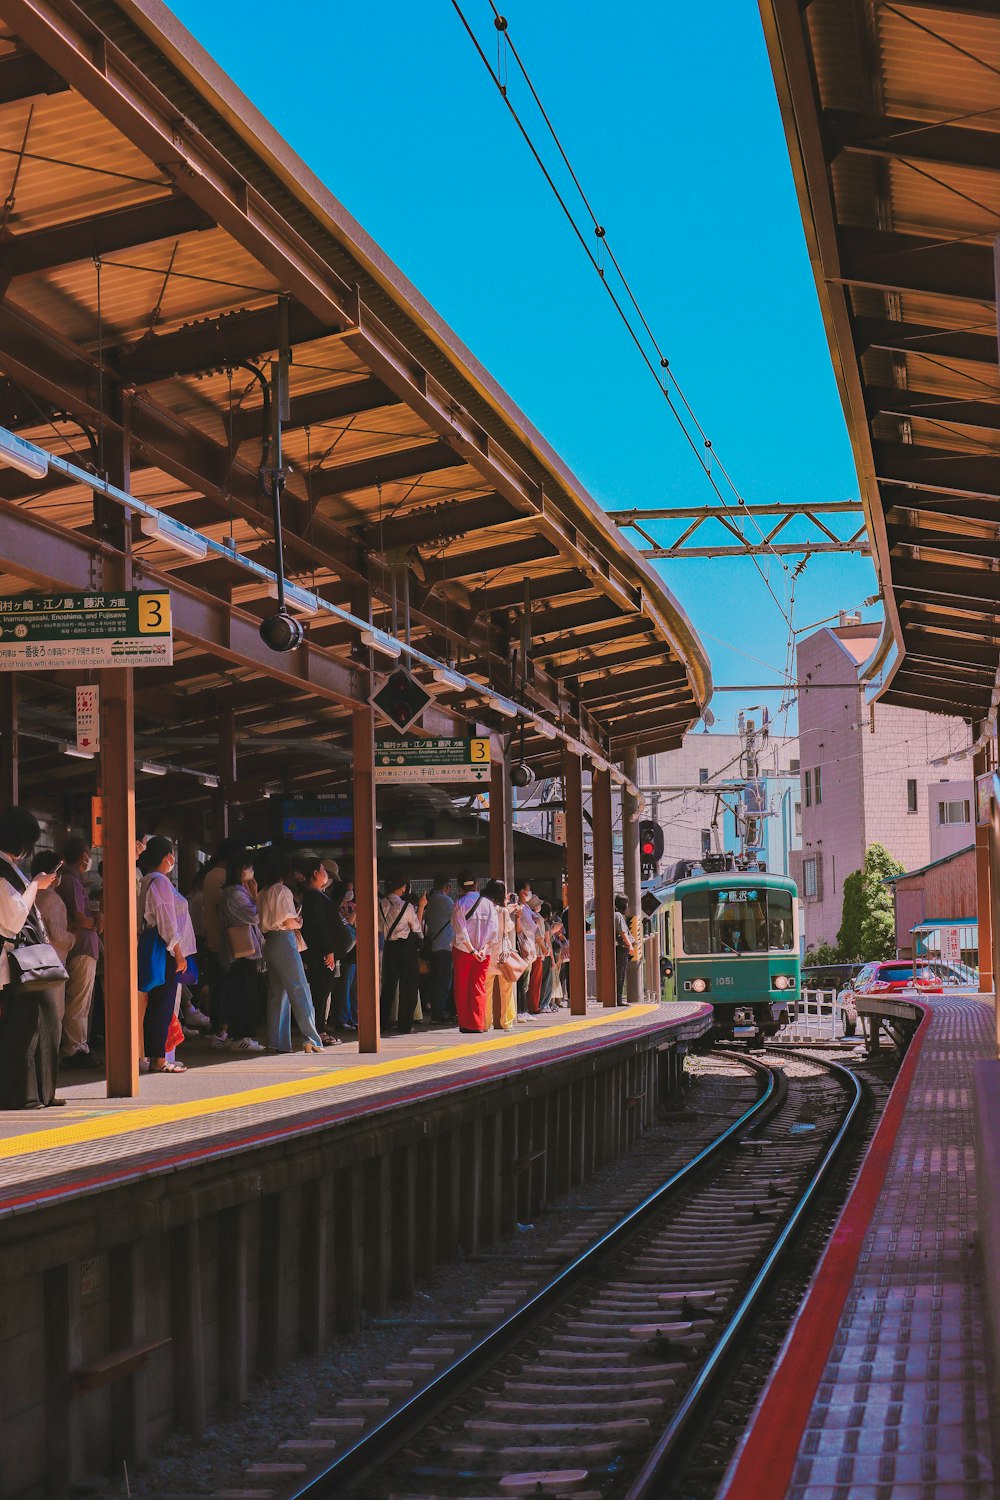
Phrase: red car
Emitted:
{"points": [[893, 976]]}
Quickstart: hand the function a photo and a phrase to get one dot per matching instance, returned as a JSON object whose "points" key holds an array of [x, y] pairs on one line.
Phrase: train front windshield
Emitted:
{"points": [[737, 919]]}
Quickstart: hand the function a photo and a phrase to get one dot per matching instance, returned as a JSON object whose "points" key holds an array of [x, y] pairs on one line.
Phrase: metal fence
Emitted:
{"points": [[815, 1016]]}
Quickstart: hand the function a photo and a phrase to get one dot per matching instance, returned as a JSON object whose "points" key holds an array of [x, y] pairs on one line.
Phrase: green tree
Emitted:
{"points": [[868, 919]]}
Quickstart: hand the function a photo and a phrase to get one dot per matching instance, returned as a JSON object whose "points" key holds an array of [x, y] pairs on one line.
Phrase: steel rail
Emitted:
{"points": [[687, 1420], [373, 1449]]}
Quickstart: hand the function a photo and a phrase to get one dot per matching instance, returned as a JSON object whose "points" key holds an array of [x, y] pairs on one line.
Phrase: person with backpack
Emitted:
{"points": [[475, 927]]}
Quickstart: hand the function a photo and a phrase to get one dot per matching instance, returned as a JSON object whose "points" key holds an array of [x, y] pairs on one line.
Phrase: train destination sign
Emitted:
{"points": [[432, 760], [56, 632]]}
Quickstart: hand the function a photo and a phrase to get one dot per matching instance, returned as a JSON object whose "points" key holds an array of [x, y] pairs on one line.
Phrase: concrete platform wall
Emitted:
{"points": [[142, 1308]]}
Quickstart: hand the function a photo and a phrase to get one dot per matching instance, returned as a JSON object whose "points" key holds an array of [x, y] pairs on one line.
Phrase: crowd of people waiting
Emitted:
{"points": [[262, 930]]}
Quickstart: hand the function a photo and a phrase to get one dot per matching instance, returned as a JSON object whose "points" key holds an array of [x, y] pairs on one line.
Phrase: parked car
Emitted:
{"points": [[893, 976], [953, 975]]}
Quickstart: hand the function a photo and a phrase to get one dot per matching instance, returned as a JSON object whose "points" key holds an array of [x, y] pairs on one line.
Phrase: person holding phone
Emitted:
{"points": [[162, 906]]}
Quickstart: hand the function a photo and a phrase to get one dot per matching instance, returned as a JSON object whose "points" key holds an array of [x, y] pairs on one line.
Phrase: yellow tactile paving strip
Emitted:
{"points": [[103, 1127]]}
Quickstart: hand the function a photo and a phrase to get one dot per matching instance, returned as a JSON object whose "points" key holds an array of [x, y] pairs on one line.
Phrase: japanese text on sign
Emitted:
{"points": [[58, 632]]}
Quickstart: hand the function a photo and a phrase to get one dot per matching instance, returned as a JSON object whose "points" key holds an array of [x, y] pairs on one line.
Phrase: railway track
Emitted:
{"points": [[595, 1385]]}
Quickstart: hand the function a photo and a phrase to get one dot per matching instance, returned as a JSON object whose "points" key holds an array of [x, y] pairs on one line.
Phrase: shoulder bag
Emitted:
{"points": [[34, 963]]}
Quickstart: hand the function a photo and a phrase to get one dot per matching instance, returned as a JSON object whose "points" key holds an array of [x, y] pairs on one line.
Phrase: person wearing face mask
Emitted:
{"points": [[86, 926], [162, 906], [29, 1019]]}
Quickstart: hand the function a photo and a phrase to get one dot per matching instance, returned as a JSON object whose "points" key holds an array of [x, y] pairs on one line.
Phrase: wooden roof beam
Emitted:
{"points": [[23, 75], [913, 140], [926, 338], [938, 406], [976, 475], [630, 657], [315, 407], [621, 629], [492, 560], [917, 580], [442, 522], [100, 234], [387, 468], [214, 343], [892, 262]]}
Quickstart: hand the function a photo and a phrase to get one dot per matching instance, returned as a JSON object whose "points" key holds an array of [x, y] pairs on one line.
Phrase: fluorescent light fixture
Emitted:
{"points": [[448, 679], [504, 706], [598, 763], [377, 640], [24, 456], [575, 746], [425, 843], [617, 776], [151, 768], [207, 779], [175, 534], [299, 599], [75, 753], [545, 729]]}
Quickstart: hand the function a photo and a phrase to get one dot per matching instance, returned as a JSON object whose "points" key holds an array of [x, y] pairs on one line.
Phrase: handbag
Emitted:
{"points": [[241, 943], [512, 965], [151, 960], [34, 963]]}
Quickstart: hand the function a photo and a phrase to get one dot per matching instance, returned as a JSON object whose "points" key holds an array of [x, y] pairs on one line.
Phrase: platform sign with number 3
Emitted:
{"points": [[60, 632]]}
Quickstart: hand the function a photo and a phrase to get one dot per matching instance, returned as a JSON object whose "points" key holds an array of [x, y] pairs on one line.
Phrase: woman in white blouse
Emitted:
{"points": [[288, 991], [29, 1019], [162, 906]]}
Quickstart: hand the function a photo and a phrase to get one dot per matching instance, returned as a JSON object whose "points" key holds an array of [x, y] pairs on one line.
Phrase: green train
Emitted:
{"points": [[731, 937]]}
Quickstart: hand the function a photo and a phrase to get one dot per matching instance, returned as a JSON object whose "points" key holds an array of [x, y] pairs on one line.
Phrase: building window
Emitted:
{"points": [[818, 784], [809, 789], [706, 841], [702, 775], [953, 812], [809, 882], [911, 796], [798, 820], [793, 767]]}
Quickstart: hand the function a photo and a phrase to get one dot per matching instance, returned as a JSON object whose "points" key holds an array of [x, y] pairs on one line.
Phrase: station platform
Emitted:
{"points": [[229, 1102], [883, 1388]]}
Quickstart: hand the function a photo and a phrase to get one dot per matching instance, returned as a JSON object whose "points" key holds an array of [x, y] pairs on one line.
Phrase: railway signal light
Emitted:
{"points": [[650, 847]]}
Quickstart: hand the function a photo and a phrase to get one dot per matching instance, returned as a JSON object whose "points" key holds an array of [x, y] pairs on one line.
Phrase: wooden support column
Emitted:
{"points": [[984, 903], [604, 887], [8, 739], [121, 1015], [366, 878], [501, 824], [572, 770], [631, 810]]}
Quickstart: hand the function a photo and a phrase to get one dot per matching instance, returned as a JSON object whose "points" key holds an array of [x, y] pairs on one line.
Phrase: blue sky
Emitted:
{"points": [[668, 115]]}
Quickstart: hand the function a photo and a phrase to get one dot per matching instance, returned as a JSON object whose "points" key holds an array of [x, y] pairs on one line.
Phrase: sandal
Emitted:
{"points": [[329, 1041], [170, 1067]]}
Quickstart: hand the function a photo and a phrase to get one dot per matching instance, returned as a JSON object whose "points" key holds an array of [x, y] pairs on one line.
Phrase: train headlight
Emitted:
{"points": [[783, 981], [699, 986]]}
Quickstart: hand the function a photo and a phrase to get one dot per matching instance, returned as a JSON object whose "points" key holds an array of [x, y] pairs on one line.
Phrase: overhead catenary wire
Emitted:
{"points": [[668, 375]]}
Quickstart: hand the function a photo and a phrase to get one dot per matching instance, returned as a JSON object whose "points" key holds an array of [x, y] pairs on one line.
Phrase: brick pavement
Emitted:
{"points": [[902, 1410]]}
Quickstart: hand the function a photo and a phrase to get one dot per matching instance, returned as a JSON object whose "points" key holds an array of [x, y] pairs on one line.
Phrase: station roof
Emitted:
{"points": [[890, 111], [152, 224]]}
